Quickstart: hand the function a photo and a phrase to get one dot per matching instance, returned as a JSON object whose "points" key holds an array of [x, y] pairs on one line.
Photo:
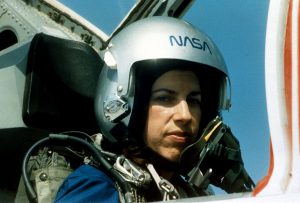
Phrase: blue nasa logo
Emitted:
{"points": [[187, 41]]}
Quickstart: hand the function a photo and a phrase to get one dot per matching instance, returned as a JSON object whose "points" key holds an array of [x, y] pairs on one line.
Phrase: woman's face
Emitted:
{"points": [[174, 113]]}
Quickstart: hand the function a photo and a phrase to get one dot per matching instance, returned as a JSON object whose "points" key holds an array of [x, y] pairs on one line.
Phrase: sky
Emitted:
{"points": [[238, 28]]}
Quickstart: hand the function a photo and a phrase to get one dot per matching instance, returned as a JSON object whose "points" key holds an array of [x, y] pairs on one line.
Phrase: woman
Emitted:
{"points": [[163, 82]]}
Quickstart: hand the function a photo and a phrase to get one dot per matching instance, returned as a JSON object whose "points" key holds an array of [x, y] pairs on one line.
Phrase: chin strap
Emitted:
{"points": [[218, 160]]}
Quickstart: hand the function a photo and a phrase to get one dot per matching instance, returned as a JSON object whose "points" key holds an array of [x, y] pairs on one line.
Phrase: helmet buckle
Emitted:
{"points": [[115, 109]]}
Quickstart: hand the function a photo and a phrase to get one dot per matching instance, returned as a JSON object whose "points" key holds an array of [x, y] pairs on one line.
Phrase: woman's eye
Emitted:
{"points": [[194, 101], [165, 99]]}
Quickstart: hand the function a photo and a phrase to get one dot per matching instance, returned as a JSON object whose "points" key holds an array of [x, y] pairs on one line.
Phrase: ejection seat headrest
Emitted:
{"points": [[61, 80]]}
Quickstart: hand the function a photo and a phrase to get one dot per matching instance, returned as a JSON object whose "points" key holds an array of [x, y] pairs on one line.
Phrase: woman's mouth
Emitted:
{"points": [[180, 137]]}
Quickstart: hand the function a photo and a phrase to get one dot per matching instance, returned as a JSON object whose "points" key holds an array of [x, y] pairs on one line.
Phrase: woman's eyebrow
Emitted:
{"points": [[164, 90]]}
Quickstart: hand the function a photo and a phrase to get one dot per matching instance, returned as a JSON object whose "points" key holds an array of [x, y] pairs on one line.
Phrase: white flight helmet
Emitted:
{"points": [[139, 54]]}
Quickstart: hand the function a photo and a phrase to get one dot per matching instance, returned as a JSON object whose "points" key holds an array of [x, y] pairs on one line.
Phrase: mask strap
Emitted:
{"points": [[167, 190]]}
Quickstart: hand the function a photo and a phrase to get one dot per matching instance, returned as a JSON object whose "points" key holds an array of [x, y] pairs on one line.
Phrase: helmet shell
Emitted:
{"points": [[153, 38]]}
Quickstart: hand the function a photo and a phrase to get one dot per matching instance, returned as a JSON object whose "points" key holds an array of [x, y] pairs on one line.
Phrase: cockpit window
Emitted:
{"points": [[7, 39]]}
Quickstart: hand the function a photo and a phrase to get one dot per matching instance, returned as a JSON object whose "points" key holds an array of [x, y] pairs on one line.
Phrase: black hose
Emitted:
{"points": [[30, 191], [65, 138]]}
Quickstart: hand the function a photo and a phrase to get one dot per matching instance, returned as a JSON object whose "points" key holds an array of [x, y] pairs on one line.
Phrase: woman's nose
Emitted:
{"points": [[182, 111]]}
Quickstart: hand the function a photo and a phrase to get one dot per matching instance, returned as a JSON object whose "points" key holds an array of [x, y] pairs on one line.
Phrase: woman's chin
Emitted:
{"points": [[172, 156]]}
